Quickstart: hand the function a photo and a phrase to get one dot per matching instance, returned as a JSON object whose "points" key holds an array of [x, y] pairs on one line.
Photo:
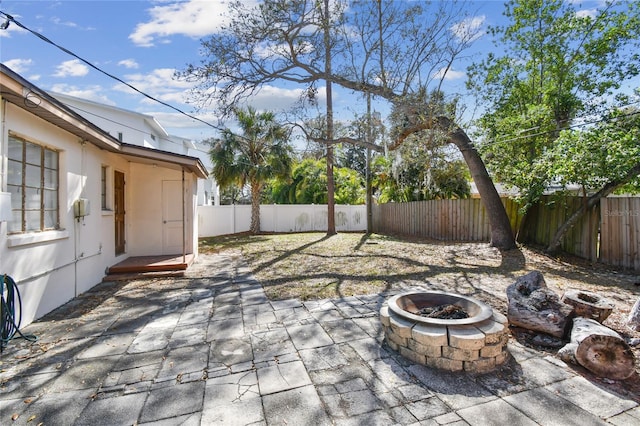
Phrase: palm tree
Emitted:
{"points": [[260, 153]]}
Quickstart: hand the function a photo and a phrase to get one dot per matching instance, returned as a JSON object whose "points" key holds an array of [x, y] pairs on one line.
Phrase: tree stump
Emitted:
{"points": [[535, 307], [588, 305], [599, 349]]}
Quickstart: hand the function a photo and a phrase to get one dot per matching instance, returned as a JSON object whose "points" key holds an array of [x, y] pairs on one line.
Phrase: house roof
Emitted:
{"points": [[148, 119], [25, 95]]}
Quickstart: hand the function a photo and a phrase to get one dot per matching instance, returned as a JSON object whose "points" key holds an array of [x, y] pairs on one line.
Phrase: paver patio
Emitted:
{"points": [[211, 349]]}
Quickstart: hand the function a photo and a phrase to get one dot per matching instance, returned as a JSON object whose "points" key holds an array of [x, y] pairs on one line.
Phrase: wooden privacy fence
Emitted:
{"points": [[449, 220], [609, 233], [620, 232], [545, 217]]}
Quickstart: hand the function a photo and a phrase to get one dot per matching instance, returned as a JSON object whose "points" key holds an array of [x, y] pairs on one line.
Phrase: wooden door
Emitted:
{"points": [[119, 211]]}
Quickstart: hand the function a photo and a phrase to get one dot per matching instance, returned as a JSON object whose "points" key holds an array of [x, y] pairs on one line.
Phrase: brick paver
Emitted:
{"points": [[210, 348]]}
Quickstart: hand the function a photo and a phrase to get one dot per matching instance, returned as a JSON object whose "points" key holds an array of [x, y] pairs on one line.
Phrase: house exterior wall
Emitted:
{"points": [[52, 267], [144, 226], [137, 129]]}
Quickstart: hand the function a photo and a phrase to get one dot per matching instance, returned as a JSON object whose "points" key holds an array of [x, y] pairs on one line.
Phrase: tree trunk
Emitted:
{"points": [[634, 316], [331, 204], [501, 233], [535, 307], [555, 242], [256, 191], [599, 349], [502, 236]]}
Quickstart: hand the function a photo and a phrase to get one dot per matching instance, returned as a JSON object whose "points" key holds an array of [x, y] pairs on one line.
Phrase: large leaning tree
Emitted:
{"points": [[259, 153], [382, 50], [555, 65]]}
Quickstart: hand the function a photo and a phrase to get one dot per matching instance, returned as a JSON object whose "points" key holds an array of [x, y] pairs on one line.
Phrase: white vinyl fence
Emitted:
{"points": [[224, 220]]}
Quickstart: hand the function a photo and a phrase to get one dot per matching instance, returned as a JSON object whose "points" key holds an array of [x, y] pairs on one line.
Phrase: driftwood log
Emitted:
{"points": [[588, 305], [634, 316], [599, 349], [535, 307]]}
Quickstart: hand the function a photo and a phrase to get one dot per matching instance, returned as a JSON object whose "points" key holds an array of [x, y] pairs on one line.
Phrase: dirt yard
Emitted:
{"points": [[313, 266]]}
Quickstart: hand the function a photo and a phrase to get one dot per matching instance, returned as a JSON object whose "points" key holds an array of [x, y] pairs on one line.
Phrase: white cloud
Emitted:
{"points": [[129, 63], [18, 65], [92, 93], [587, 13], [193, 18], [59, 21], [159, 84], [71, 68], [469, 29], [274, 98], [70, 24], [449, 74]]}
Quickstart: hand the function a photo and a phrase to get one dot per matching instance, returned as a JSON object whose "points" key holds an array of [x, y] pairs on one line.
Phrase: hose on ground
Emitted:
{"points": [[10, 299]]}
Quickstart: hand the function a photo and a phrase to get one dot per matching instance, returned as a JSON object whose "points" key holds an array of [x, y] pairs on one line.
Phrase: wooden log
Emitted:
{"points": [[633, 322], [535, 307], [588, 305], [599, 349]]}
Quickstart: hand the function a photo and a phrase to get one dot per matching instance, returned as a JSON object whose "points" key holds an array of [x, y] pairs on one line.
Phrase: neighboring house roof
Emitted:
{"points": [[23, 94], [503, 190], [150, 120]]}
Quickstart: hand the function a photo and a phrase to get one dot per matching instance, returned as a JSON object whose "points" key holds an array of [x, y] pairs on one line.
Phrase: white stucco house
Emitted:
{"points": [[76, 200], [144, 130]]}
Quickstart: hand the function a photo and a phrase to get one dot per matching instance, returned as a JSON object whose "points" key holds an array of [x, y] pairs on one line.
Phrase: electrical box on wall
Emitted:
{"points": [[81, 208]]}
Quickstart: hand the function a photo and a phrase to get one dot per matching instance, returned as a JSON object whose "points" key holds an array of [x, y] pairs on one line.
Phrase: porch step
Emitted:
{"points": [[129, 276], [139, 267]]}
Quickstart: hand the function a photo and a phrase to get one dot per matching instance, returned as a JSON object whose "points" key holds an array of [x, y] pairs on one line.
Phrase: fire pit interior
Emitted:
{"points": [[445, 330]]}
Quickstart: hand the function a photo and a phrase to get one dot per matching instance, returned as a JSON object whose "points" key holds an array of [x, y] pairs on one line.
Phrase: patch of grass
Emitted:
{"points": [[225, 242], [314, 266]]}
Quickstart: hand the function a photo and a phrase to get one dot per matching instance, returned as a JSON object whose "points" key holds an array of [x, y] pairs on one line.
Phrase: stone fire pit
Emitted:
{"points": [[426, 327]]}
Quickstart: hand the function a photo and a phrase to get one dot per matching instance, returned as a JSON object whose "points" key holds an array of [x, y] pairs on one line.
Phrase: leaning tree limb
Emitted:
{"points": [[592, 200], [502, 235]]}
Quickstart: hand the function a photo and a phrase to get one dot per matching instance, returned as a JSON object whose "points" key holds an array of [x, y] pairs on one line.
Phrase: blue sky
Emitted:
{"points": [[143, 42]]}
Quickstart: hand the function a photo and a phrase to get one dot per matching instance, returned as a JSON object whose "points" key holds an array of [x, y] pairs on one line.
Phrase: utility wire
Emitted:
{"points": [[92, 113], [11, 19], [573, 126]]}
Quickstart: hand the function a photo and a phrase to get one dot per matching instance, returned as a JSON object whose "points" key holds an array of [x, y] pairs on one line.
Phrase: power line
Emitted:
{"points": [[92, 113], [574, 126], [11, 19]]}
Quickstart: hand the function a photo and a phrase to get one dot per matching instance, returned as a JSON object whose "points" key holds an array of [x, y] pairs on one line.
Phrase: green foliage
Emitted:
{"points": [[599, 155], [423, 167], [308, 185], [260, 153], [383, 183], [418, 173], [352, 157], [558, 64]]}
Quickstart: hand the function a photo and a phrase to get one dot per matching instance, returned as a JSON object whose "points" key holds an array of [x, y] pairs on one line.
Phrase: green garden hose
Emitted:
{"points": [[9, 324]]}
